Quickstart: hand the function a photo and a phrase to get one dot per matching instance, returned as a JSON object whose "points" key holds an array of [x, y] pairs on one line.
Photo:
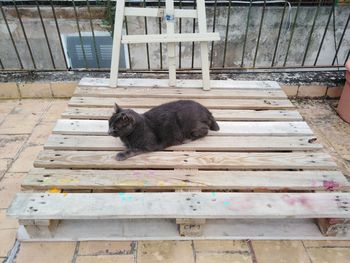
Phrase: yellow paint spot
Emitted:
{"points": [[68, 181], [54, 190], [65, 194]]}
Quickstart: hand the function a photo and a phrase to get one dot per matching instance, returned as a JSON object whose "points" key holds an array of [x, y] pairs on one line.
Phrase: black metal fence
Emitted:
{"points": [[260, 44]]}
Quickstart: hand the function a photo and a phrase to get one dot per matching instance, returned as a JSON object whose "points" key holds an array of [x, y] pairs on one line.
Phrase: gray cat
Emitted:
{"points": [[169, 124]]}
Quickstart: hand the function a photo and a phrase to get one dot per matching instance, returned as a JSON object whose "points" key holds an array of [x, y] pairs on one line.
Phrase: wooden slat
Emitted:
{"points": [[44, 179], [220, 115], [182, 83], [170, 38], [171, 160], [179, 205], [158, 12], [100, 127], [209, 143], [210, 103], [178, 93]]}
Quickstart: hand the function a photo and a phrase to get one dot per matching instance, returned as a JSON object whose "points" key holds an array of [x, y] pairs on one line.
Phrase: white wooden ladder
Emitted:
{"points": [[171, 38]]}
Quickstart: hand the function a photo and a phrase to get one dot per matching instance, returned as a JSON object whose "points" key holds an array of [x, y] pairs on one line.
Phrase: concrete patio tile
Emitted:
{"points": [[104, 247], [220, 245], [35, 90], [4, 165], [327, 243], [9, 186], [25, 159], [223, 258], [280, 251], [63, 89], [106, 259], [7, 222], [7, 239], [46, 252], [23, 118], [11, 144], [40, 133], [9, 90], [165, 251], [6, 106], [54, 112], [329, 255]]}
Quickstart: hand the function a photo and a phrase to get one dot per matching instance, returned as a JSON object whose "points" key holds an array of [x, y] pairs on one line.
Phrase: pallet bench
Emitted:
{"points": [[262, 176]]}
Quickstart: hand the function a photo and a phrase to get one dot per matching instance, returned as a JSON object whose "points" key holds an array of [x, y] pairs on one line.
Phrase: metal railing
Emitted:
{"points": [[330, 20]]}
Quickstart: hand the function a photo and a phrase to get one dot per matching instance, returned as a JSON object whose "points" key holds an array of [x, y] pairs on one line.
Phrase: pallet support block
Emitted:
{"points": [[42, 228], [333, 226]]}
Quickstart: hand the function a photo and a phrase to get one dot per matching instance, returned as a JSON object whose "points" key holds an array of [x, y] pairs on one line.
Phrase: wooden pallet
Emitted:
{"points": [[262, 176]]}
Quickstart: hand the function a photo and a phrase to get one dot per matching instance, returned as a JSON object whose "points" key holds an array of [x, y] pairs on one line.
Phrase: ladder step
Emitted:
{"points": [[165, 38]]}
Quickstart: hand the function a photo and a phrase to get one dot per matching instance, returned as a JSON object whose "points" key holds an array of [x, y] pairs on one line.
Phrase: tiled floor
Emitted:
{"points": [[24, 127]]}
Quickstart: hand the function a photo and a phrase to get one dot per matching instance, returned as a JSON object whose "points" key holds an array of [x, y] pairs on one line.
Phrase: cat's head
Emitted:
{"points": [[122, 122]]}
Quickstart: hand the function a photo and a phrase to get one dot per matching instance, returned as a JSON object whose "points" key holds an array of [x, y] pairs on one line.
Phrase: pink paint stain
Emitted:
{"points": [[330, 184], [296, 200]]}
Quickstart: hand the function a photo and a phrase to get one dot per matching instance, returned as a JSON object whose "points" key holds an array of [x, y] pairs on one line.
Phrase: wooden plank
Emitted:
{"points": [[179, 93], [185, 160], [210, 103], [209, 143], [169, 38], [100, 127], [202, 28], [170, 28], [118, 27], [94, 113], [179, 205], [182, 83], [45, 179], [165, 229], [158, 12]]}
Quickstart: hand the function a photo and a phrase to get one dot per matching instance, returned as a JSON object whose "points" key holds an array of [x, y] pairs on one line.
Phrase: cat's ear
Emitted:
{"points": [[116, 108]]}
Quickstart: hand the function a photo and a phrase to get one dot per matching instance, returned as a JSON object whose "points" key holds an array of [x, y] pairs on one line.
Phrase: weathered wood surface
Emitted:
{"points": [[177, 93], [100, 127], [179, 205], [44, 179], [96, 113], [208, 143], [170, 160], [210, 103], [182, 83]]}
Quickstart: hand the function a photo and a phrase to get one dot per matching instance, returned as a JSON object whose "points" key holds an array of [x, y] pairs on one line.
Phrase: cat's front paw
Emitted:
{"points": [[121, 156]]}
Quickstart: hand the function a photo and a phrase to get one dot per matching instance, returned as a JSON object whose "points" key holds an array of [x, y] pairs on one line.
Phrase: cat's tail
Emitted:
{"points": [[213, 124]]}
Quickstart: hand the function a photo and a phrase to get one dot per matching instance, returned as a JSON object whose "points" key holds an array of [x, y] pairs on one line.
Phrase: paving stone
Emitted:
{"points": [[334, 92], [280, 251], [312, 91], [55, 110], [7, 239], [11, 144], [25, 159], [106, 259], [9, 186], [329, 255], [6, 106], [64, 89], [164, 251], [4, 165], [40, 133], [9, 90], [327, 243], [23, 118], [7, 222], [290, 90], [46, 252], [104, 247], [220, 245], [223, 258], [35, 90]]}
